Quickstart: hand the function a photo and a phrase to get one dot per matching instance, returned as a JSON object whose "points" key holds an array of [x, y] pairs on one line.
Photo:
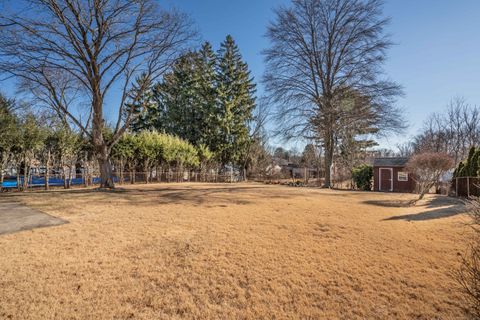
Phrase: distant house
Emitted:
{"points": [[300, 172], [390, 175], [293, 170]]}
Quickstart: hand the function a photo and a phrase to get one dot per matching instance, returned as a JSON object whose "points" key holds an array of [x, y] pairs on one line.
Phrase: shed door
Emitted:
{"points": [[386, 176]]}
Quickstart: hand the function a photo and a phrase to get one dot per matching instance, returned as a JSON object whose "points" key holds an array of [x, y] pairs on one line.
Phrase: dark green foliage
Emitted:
{"points": [[177, 96], [207, 96], [206, 99], [184, 102], [143, 106], [362, 177], [236, 101], [469, 167], [8, 126], [8, 132]]}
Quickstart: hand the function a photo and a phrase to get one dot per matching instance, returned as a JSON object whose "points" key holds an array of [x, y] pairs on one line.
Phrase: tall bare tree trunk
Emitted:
{"points": [[101, 147], [329, 147], [106, 173]]}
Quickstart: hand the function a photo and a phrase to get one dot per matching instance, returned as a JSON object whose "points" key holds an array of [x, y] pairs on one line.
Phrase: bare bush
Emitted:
{"points": [[428, 168], [469, 273]]}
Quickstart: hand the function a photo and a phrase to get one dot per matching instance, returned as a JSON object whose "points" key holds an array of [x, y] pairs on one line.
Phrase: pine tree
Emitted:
{"points": [[206, 95], [177, 98], [142, 106], [186, 98], [236, 101], [473, 160]]}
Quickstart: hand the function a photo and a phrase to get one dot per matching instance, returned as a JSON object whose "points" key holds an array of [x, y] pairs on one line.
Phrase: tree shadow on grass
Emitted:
{"points": [[441, 207], [391, 203], [212, 195]]}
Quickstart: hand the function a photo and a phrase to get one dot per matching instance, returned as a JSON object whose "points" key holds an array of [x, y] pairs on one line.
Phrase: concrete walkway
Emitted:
{"points": [[16, 217]]}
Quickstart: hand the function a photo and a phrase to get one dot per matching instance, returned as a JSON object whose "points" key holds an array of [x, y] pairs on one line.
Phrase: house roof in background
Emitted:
{"points": [[390, 162]]}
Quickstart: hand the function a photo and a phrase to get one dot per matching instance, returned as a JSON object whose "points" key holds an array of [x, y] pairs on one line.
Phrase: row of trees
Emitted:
{"points": [[27, 140], [156, 152], [68, 56], [453, 132], [32, 141], [207, 99], [324, 75]]}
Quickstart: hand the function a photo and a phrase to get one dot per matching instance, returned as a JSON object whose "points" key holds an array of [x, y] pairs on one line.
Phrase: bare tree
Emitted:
{"points": [[428, 168], [405, 149], [59, 48], [256, 146], [454, 132], [323, 54]]}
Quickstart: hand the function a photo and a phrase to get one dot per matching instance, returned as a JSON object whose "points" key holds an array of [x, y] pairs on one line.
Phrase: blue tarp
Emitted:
{"points": [[40, 182]]}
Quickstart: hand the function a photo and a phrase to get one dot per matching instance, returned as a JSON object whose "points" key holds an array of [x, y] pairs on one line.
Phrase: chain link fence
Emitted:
{"points": [[91, 179]]}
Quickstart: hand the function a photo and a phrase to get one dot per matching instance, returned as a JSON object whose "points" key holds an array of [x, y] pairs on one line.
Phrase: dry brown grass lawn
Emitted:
{"points": [[241, 251]]}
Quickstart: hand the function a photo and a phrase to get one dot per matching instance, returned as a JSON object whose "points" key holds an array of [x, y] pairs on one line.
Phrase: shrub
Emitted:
{"points": [[469, 273], [362, 177], [428, 168], [470, 167]]}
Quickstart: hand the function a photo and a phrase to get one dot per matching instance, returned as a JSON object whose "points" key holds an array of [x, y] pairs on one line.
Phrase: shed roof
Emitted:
{"points": [[390, 162]]}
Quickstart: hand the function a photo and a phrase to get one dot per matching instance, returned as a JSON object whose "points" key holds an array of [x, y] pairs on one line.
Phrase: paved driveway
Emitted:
{"points": [[16, 217]]}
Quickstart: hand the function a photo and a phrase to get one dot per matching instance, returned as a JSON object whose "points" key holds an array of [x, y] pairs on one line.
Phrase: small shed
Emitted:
{"points": [[390, 175]]}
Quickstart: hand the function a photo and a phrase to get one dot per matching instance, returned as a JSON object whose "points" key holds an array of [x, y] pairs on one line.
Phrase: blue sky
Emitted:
{"points": [[436, 56]]}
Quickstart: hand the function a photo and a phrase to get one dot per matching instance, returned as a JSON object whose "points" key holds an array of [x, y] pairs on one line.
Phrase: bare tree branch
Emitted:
{"points": [[97, 46], [323, 55]]}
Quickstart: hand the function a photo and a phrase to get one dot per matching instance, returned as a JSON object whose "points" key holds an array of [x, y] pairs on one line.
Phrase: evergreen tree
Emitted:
{"points": [[177, 97], [235, 102], [206, 99], [8, 132], [470, 167], [142, 104], [473, 161], [186, 98], [207, 94]]}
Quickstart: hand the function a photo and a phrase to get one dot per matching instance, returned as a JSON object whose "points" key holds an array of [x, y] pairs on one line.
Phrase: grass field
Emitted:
{"points": [[245, 251]]}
